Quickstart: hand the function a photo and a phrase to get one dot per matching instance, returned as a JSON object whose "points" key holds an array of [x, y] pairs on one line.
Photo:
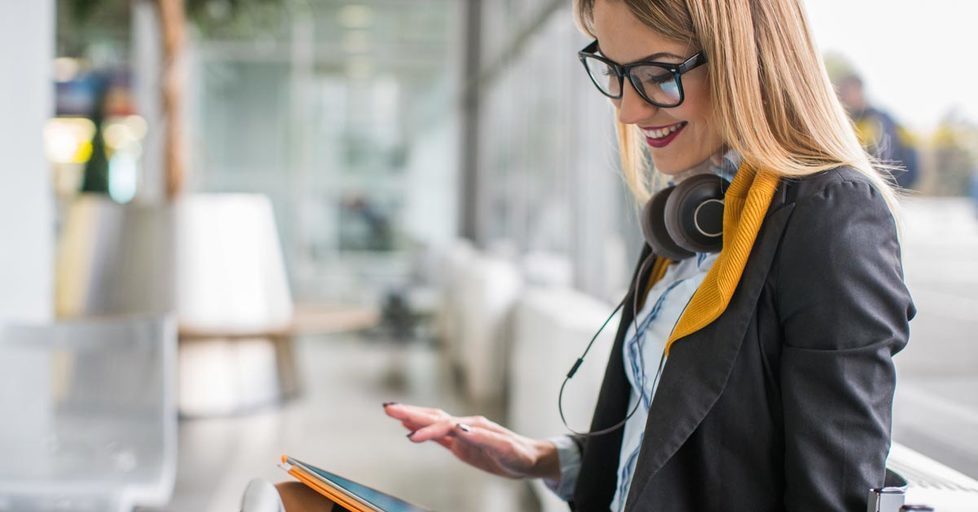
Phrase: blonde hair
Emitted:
{"points": [[774, 103]]}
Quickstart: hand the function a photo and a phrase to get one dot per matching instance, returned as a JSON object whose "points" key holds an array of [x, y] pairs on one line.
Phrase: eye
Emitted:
{"points": [[653, 75]]}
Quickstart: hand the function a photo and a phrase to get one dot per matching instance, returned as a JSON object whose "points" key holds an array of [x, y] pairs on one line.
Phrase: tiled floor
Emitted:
{"points": [[338, 424]]}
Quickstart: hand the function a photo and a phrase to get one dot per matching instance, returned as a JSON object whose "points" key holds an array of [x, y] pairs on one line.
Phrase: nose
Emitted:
{"points": [[632, 108]]}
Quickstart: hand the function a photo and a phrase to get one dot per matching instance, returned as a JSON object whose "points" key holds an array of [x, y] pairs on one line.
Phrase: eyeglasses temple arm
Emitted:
{"points": [[692, 62]]}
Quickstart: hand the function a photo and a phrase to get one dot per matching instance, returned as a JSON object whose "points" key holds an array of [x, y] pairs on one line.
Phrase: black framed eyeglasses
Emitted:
{"points": [[659, 83]]}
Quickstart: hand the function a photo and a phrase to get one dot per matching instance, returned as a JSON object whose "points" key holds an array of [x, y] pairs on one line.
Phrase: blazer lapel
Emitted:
{"points": [[700, 364]]}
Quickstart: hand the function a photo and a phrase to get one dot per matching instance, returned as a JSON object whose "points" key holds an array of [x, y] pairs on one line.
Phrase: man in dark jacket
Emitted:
{"points": [[879, 132]]}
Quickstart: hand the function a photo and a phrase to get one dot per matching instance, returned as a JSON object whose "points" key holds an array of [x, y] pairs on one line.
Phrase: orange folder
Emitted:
{"points": [[345, 493]]}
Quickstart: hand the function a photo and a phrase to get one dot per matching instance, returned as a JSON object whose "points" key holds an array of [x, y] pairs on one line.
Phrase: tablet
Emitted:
{"points": [[346, 493]]}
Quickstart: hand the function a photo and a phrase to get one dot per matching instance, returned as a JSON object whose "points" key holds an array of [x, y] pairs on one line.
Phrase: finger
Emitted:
{"points": [[433, 431], [483, 422], [447, 441], [410, 425], [416, 414], [416, 409], [415, 423], [494, 442]]}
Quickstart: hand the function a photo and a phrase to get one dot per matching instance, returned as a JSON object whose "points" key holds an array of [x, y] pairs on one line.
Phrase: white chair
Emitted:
{"points": [[230, 271], [932, 483], [547, 269], [115, 259], [89, 415], [552, 326], [448, 320], [214, 262], [212, 259], [489, 290], [233, 305]]}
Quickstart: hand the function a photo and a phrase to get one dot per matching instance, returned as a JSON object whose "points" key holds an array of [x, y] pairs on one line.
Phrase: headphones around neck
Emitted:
{"points": [[687, 218], [678, 222]]}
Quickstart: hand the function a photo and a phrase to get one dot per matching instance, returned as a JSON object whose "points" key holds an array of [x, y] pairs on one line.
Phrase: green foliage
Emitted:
{"points": [[955, 146], [82, 23], [96, 175]]}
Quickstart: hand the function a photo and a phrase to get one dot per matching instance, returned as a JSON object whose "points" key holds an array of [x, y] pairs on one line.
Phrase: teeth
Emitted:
{"points": [[662, 132]]}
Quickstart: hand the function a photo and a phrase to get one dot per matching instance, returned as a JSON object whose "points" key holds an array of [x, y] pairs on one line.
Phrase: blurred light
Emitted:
{"points": [[122, 132], [68, 140], [66, 69], [137, 125], [123, 169], [357, 41], [117, 136], [356, 16]]}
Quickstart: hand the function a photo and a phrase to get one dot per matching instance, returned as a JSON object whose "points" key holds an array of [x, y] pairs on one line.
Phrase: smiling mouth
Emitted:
{"points": [[659, 137]]}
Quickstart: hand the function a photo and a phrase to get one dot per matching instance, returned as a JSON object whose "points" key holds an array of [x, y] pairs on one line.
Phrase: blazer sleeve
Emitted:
{"points": [[845, 311]]}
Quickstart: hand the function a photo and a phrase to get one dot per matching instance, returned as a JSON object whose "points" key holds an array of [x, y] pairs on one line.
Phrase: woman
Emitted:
{"points": [[778, 381], [775, 383]]}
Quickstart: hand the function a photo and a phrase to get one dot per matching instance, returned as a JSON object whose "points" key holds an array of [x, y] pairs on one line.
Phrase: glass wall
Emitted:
{"points": [[333, 111], [547, 157]]}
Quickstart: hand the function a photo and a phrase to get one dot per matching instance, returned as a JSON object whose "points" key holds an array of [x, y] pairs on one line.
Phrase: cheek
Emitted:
{"points": [[701, 119], [697, 108]]}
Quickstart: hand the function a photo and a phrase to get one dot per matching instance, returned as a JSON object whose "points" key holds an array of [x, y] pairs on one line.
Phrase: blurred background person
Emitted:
{"points": [[879, 132]]}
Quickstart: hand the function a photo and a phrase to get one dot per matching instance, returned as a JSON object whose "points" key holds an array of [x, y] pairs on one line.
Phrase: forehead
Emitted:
{"points": [[624, 38]]}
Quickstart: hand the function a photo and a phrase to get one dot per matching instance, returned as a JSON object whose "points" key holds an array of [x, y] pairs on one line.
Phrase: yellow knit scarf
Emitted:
{"points": [[745, 205]]}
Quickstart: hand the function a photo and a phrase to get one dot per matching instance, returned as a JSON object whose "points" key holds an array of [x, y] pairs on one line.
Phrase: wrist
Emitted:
{"points": [[546, 462]]}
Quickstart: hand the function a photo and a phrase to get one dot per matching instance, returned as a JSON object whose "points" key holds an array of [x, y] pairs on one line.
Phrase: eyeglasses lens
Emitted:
{"points": [[659, 84], [604, 77]]}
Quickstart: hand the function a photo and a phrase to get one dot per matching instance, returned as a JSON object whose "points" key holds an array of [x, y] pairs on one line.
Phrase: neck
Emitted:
{"points": [[713, 164]]}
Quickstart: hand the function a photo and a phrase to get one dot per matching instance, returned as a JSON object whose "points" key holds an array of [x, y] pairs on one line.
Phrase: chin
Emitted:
{"points": [[670, 165]]}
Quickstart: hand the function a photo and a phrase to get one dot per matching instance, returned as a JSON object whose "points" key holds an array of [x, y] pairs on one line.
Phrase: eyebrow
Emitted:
{"points": [[647, 58]]}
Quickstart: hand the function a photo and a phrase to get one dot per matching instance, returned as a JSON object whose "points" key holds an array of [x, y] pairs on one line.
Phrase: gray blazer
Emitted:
{"points": [[784, 401]]}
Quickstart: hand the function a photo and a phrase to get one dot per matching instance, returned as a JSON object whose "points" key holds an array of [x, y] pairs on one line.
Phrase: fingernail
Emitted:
{"points": [[463, 427], [411, 434], [389, 403]]}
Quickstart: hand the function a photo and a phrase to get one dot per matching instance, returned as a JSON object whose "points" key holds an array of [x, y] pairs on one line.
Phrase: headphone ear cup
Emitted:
{"points": [[694, 213], [654, 227]]}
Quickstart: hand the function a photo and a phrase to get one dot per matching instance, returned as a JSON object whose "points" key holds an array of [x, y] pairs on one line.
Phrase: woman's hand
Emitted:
{"points": [[479, 442]]}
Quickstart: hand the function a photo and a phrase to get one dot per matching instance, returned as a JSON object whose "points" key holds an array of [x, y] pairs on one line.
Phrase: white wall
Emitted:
{"points": [[431, 196], [26, 90]]}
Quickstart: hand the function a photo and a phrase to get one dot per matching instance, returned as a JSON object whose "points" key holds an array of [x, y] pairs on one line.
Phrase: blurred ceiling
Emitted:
{"points": [[412, 39]]}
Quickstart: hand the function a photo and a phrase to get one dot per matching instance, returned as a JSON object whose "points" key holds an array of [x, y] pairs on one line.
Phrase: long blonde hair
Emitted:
{"points": [[774, 103]]}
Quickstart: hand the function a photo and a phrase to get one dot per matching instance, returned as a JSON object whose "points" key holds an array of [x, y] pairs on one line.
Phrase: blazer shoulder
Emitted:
{"points": [[830, 185]]}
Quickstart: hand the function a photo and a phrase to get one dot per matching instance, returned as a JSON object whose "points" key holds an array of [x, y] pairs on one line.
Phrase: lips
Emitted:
{"points": [[661, 136]]}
